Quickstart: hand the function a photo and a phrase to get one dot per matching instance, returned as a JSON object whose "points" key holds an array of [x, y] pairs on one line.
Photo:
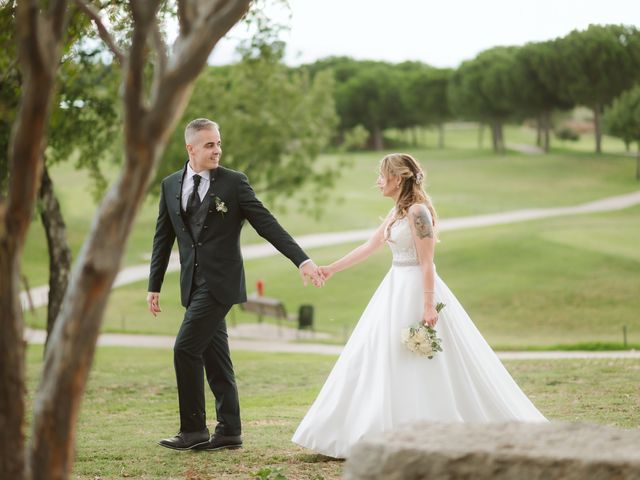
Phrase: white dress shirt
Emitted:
{"points": [[187, 185]]}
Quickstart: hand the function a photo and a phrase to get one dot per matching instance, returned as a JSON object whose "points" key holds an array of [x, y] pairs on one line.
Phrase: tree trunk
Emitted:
{"points": [[147, 125], [441, 136], [378, 143], [500, 132], [494, 136], [480, 135], [539, 129], [547, 129], [414, 135], [638, 164], [38, 37], [59, 251], [12, 385], [597, 121]]}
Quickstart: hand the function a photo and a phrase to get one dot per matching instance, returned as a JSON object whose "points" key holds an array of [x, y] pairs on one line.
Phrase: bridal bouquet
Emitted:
{"points": [[423, 339]]}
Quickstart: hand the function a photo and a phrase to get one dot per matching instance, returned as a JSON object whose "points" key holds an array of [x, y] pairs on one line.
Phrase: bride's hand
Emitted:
{"points": [[430, 316], [326, 272]]}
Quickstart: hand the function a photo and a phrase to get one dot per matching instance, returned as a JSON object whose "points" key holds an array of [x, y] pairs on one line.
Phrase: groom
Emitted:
{"points": [[204, 206]]}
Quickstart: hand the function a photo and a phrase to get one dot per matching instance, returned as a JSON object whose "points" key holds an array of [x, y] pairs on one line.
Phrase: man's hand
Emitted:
{"points": [[153, 301], [310, 270]]}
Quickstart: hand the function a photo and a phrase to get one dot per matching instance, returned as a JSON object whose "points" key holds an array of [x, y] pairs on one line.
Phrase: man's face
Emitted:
{"points": [[205, 150]]}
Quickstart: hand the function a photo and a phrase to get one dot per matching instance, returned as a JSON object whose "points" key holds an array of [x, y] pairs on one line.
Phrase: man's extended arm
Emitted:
{"points": [[268, 228]]}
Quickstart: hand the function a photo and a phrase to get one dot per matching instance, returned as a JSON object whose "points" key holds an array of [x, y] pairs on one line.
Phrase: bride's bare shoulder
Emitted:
{"points": [[419, 209]]}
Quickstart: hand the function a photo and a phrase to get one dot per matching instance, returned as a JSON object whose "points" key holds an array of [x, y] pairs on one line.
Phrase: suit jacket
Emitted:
{"points": [[218, 245]]}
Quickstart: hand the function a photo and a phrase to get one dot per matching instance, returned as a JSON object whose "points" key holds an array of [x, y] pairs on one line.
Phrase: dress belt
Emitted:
{"points": [[406, 263]]}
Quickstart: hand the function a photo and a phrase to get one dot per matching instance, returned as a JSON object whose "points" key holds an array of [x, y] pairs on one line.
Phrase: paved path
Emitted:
{"points": [[279, 346], [39, 295], [525, 148]]}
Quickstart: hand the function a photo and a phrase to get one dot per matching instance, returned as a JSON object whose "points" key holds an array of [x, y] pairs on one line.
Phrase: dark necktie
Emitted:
{"points": [[193, 203]]}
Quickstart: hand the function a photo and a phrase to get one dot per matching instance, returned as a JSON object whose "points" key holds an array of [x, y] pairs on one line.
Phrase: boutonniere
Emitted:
{"points": [[220, 206]]}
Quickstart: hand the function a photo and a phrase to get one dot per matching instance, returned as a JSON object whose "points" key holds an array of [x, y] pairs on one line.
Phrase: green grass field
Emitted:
{"points": [[462, 179], [131, 402], [540, 283], [562, 281]]}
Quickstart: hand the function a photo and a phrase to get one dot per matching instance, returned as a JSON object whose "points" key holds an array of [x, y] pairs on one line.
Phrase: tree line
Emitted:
{"points": [[589, 67]]}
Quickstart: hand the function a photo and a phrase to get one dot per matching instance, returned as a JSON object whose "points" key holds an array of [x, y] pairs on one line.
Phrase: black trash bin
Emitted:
{"points": [[305, 317]]}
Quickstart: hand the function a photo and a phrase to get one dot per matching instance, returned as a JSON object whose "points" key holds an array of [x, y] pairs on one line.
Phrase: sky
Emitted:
{"points": [[440, 33]]}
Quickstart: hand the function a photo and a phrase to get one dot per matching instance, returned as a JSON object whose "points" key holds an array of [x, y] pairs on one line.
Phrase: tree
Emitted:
{"points": [[84, 124], [534, 96], [149, 115], [483, 89], [622, 120], [372, 98], [425, 98], [598, 64], [275, 122]]}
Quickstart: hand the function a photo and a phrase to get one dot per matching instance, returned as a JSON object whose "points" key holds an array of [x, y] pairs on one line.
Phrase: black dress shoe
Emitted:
{"points": [[219, 442], [186, 440]]}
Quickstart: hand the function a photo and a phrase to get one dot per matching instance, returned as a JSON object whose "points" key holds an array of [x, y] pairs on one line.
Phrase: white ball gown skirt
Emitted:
{"points": [[377, 384]]}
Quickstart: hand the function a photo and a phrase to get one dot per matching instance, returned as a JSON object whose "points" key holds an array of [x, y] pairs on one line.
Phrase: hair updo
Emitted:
{"points": [[412, 177]]}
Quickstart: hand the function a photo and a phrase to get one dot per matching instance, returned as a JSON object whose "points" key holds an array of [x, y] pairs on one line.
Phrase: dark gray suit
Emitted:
{"points": [[211, 281]]}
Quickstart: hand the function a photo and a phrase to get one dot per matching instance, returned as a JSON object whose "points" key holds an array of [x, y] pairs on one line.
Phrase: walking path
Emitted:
{"points": [[525, 148], [269, 338], [39, 295], [268, 343]]}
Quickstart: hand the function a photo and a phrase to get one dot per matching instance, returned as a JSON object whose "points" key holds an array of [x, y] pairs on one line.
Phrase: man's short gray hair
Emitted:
{"points": [[196, 125]]}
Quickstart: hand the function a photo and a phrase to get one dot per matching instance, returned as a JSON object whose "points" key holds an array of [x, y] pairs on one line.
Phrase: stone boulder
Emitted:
{"points": [[555, 450]]}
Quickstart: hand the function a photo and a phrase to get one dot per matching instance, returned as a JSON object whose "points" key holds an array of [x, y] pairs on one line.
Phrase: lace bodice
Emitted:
{"points": [[401, 243]]}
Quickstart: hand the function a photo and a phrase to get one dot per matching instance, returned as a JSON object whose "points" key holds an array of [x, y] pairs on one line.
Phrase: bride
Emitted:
{"points": [[377, 384]]}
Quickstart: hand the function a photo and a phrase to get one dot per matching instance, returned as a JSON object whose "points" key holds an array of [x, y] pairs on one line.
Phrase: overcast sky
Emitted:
{"points": [[441, 33]]}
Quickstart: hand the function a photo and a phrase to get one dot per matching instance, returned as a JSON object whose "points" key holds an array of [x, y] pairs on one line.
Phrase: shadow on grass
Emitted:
{"points": [[315, 458]]}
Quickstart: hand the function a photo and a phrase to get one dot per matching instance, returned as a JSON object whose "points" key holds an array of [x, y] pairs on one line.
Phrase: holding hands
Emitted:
{"points": [[317, 275], [326, 272], [310, 271]]}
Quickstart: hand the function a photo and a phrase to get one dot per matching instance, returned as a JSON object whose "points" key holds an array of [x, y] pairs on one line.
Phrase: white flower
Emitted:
{"points": [[220, 206], [405, 335], [422, 339]]}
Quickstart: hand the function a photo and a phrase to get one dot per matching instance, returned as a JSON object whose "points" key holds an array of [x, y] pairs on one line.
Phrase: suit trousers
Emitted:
{"points": [[202, 342]]}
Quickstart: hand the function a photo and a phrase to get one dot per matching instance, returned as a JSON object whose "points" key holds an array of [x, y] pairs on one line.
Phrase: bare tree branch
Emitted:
{"points": [[57, 16], [220, 17], [106, 37], [185, 16], [190, 52], [134, 72], [161, 53]]}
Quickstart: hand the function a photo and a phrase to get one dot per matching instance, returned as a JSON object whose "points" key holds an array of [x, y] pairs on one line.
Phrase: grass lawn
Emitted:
{"points": [[539, 283], [131, 402], [462, 179]]}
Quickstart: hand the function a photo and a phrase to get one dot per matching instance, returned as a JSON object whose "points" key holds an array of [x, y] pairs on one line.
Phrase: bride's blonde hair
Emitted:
{"points": [[412, 177]]}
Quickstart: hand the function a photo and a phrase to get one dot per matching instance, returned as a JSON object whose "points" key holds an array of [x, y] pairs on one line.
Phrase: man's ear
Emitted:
{"points": [[189, 148]]}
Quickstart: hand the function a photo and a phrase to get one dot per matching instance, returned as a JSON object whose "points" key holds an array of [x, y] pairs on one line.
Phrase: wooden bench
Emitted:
{"points": [[274, 308]]}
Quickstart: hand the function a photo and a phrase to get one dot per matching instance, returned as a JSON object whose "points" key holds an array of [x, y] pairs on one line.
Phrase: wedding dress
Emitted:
{"points": [[377, 384]]}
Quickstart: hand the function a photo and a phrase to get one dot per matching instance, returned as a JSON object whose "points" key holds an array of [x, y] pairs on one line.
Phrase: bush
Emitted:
{"points": [[355, 139], [567, 133]]}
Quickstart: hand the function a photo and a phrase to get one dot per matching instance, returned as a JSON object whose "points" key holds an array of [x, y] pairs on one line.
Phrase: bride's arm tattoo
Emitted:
{"points": [[423, 225]]}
